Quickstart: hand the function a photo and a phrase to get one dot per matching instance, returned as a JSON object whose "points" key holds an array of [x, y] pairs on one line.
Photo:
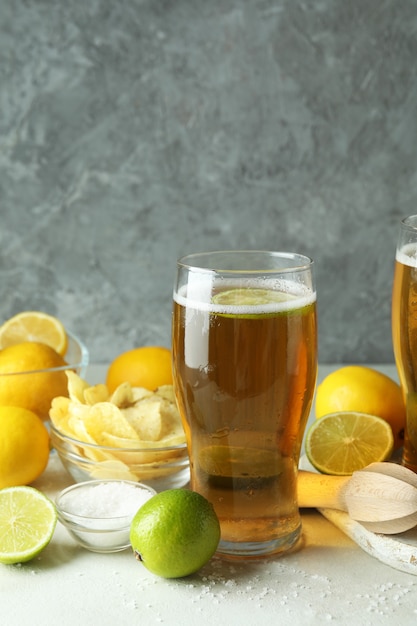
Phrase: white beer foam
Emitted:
{"points": [[407, 255], [197, 295]]}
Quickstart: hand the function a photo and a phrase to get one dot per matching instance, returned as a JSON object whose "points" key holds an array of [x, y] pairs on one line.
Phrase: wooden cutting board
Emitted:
{"points": [[398, 551]]}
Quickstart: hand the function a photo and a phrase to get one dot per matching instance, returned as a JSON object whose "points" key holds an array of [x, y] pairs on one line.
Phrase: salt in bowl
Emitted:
{"points": [[98, 513]]}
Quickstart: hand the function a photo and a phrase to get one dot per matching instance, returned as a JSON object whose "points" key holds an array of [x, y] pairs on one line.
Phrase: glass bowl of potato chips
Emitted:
{"points": [[132, 434]]}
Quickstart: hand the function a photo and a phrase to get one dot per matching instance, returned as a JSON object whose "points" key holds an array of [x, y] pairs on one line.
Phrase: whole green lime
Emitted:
{"points": [[175, 533]]}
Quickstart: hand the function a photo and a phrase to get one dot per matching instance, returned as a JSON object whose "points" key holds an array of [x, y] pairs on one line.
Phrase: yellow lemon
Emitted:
{"points": [[24, 446], [147, 366], [34, 326], [26, 377], [344, 442], [366, 390]]}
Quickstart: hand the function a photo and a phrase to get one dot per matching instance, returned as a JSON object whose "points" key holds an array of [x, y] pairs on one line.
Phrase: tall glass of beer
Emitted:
{"points": [[245, 363], [404, 331]]}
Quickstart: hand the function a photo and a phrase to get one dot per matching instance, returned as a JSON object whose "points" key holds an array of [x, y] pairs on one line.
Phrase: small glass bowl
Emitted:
{"points": [[160, 468], [76, 356], [85, 509]]}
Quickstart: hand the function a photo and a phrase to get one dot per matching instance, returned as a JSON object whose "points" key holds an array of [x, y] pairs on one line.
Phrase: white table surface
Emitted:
{"points": [[329, 580]]}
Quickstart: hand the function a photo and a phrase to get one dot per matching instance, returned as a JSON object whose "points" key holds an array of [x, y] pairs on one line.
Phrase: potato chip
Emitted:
{"points": [[139, 393], [172, 424], [78, 427], [167, 392], [127, 454], [122, 396], [97, 393], [124, 451], [113, 469], [113, 441], [59, 414], [76, 386], [137, 459], [151, 459], [79, 410], [145, 418], [81, 434], [172, 441], [131, 445], [59, 406], [105, 416], [95, 454]]}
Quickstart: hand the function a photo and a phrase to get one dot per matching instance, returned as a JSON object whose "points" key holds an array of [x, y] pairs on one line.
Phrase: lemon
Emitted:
{"points": [[22, 383], [366, 390], [341, 443], [175, 533], [250, 296], [34, 326], [251, 302], [147, 366], [233, 461], [24, 446], [27, 523]]}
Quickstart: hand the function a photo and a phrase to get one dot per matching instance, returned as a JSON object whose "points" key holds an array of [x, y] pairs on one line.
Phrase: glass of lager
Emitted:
{"points": [[245, 363], [404, 330]]}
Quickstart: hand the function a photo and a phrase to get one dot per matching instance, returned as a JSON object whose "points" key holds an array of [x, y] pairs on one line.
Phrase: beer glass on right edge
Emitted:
{"points": [[244, 364], [404, 331]]}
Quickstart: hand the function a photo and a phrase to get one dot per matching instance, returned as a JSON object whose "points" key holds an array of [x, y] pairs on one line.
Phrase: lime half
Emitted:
{"points": [[344, 442], [250, 297], [239, 462], [27, 523]]}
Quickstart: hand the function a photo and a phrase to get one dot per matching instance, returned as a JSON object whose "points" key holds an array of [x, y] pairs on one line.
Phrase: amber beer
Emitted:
{"points": [[404, 333], [245, 377]]}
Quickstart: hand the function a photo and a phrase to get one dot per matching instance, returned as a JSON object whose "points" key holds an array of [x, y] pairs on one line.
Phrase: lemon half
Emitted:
{"points": [[344, 442]]}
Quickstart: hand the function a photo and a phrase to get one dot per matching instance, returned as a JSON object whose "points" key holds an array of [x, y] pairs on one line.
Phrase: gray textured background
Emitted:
{"points": [[133, 132]]}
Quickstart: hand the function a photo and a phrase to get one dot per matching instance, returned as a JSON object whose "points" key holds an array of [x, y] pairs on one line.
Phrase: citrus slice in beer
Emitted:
{"points": [[241, 300], [227, 465], [250, 297], [344, 442]]}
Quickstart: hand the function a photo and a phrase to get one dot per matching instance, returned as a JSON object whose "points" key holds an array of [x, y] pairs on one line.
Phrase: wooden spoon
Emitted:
{"points": [[382, 496]]}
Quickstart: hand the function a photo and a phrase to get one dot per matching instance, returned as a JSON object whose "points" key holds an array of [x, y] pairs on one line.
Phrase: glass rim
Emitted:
{"points": [[409, 222], [302, 261], [79, 363]]}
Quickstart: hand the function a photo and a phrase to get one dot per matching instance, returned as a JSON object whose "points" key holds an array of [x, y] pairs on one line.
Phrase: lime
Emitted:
{"points": [[236, 461], [27, 523], [236, 467], [341, 443], [257, 303], [246, 296], [175, 533]]}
